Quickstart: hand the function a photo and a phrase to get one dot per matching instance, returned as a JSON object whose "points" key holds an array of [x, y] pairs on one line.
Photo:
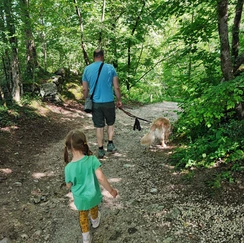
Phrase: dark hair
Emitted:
{"points": [[98, 53], [76, 139]]}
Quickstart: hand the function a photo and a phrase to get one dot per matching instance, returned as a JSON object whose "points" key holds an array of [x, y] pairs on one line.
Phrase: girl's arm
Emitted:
{"points": [[69, 185], [104, 182], [85, 89]]}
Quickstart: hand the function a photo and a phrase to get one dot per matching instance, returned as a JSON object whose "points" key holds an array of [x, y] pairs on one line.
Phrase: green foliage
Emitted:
{"points": [[28, 98], [72, 90], [213, 106], [216, 145], [210, 126], [7, 116], [238, 167], [10, 115], [216, 182], [149, 92], [188, 176]]}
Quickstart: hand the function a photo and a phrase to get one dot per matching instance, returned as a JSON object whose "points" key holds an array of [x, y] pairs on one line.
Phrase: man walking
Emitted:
{"points": [[103, 111]]}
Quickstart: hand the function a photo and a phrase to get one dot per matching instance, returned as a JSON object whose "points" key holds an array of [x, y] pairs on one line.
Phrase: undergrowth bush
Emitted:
{"points": [[210, 127], [12, 113], [146, 93]]}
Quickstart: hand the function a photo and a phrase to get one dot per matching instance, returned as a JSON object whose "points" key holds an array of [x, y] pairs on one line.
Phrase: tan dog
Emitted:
{"points": [[159, 130]]}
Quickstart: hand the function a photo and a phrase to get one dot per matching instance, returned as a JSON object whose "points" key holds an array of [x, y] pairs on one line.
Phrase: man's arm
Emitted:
{"points": [[85, 89], [117, 91]]}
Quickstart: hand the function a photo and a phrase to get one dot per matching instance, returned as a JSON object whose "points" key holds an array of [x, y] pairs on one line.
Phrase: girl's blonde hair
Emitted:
{"points": [[76, 140]]}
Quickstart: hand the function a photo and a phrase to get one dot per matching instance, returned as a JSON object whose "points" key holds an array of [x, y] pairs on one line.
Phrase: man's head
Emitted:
{"points": [[98, 54]]}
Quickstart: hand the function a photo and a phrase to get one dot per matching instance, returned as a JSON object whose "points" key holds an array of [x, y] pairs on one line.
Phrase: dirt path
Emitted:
{"points": [[155, 203]]}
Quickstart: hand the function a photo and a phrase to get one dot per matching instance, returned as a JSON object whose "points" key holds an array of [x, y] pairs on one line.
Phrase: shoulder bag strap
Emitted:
{"points": [[100, 68]]}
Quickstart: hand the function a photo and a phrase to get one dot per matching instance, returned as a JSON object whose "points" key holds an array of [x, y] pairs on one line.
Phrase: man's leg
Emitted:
{"points": [[110, 146], [110, 131], [100, 134]]}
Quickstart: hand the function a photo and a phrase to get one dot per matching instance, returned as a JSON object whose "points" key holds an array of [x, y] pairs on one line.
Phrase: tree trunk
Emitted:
{"points": [[190, 54], [86, 58], [114, 47], [102, 20], [238, 59], [14, 70], [128, 81], [5, 82], [43, 40], [31, 55], [226, 64], [227, 67], [235, 34]]}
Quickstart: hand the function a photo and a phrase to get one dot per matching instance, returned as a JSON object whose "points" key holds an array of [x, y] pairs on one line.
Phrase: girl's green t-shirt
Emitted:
{"points": [[85, 186]]}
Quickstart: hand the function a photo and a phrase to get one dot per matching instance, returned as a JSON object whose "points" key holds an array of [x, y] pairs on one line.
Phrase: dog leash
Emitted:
{"points": [[137, 123]]}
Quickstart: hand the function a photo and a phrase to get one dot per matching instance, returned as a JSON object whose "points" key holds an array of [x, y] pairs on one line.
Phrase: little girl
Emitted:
{"points": [[83, 175]]}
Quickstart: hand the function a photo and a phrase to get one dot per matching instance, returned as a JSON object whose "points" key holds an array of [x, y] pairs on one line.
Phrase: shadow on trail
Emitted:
{"points": [[25, 131]]}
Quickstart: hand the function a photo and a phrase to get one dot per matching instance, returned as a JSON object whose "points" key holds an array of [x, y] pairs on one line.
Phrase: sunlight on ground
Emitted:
{"points": [[128, 165], [156, 148], [66, 119], [127, 124], [88, 115], [111, 180], [36, 104], [39, 175], [40, 109], [110, 202], [9, 129], [116, 154], [93, 144], [6, 171], [168, 166], [44, 110], [88, 127]]}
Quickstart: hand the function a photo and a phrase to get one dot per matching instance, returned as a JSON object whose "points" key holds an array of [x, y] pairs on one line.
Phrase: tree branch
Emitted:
{"points": [[149, 70]]}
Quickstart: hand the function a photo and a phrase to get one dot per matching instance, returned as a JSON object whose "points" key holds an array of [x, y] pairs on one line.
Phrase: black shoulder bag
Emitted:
{"points": [[89, 101]]}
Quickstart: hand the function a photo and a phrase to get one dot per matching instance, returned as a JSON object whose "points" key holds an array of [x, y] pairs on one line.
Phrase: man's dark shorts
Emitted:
{"points": [[103, 112]]}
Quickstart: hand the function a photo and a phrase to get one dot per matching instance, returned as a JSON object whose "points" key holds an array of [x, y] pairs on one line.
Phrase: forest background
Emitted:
{"points": [[191, 52]]}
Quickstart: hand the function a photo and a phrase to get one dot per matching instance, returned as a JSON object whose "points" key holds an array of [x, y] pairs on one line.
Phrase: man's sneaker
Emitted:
{"points": [[96, 222], [101, 153], [111, 147]]}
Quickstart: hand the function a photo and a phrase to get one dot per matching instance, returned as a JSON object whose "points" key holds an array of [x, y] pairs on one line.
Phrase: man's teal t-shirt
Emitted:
{"points": [[104, 89], [85, 186]]}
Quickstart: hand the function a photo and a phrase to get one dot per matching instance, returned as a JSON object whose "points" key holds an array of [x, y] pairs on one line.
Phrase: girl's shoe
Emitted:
{"points": [[87, 238], [96, 222]]}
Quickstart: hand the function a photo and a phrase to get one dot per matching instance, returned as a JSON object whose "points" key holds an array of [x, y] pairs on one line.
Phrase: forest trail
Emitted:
{"points": [[155, 203]]}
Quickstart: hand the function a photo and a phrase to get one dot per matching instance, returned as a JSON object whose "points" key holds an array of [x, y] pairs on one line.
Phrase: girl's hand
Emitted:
{"points": [[114, 193], [69, 185]]}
